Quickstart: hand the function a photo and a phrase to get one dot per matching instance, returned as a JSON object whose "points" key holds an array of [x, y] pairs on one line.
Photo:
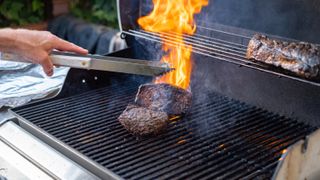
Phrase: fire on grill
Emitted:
{"points": [[170, 94], [174, 17]]}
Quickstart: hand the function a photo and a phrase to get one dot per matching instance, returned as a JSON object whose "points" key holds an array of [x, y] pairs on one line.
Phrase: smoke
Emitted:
{"points": [[289, 18]]}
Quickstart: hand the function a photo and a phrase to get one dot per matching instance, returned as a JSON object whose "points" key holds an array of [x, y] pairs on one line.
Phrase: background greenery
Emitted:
{"points": [[96, 11], [21, 12]]}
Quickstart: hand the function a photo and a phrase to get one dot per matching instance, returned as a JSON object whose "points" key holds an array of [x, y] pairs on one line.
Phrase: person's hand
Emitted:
{"points": [[37, 45]]}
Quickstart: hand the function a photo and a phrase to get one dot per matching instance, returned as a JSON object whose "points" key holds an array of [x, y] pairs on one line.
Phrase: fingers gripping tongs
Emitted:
{"points": [[103, 63]]}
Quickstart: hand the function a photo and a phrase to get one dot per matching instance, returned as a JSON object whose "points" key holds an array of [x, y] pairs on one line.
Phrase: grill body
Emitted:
{"points": [[242, 119]]}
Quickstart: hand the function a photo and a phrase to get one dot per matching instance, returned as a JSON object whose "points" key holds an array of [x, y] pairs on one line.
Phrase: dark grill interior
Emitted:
{"points": [[220, 138]]}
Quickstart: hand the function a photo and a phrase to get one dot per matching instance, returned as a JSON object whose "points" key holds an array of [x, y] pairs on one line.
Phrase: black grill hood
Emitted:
{"points": [[293, 19]]}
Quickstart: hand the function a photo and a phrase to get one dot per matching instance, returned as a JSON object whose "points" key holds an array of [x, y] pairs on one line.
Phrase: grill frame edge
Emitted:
{"points": [[69, 152]]}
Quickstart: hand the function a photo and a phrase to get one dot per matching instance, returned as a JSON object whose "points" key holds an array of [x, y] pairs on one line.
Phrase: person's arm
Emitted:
{"points": [[7, 38], [35, 46]]}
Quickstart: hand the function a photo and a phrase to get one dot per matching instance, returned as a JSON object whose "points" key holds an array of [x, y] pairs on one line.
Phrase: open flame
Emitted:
{"points": [[174, 17]]}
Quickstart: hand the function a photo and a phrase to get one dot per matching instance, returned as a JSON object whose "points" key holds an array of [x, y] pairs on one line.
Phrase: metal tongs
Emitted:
{"points": [[103, 63]]}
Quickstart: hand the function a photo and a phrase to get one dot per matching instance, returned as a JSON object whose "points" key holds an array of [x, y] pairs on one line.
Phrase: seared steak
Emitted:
{"points": [[164, 97], [154, 104], [299, 57], [143, 121]]}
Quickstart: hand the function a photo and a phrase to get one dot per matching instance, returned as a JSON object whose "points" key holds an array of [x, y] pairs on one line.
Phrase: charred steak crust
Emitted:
{"points": [[164, 97], [153, 105], [143, 121], [299, 57]]}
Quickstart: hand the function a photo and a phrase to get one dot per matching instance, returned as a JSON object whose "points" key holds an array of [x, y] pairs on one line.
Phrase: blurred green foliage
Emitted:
{"points": [[21, 12], [96, 11]]}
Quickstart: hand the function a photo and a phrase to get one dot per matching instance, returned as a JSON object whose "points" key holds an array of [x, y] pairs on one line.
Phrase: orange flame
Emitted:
{"points": [[175, 17]]}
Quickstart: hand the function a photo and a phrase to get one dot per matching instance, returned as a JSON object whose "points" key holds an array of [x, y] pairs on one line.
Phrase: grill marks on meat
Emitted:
{"points": [[143, 121], [170, 99], [299, 57], [154, 104]]}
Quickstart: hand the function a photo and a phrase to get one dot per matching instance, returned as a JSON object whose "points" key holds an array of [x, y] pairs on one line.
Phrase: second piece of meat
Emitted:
{"points": [[143, 121], [164, 97], [299, 57]]}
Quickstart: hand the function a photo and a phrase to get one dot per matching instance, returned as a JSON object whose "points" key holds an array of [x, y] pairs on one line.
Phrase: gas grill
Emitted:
{"points": [[246, 120]]}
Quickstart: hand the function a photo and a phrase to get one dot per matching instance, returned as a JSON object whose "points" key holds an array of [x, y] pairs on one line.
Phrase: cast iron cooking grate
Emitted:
{"points": [[220, 139]]}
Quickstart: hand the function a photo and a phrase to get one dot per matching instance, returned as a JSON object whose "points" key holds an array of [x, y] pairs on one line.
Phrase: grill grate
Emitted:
{"points": [[221, 138]]}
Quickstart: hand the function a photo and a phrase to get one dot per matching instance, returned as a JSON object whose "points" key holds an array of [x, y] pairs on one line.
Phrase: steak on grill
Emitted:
{"points": [[299, 57], [164, 97], [143, 121]]}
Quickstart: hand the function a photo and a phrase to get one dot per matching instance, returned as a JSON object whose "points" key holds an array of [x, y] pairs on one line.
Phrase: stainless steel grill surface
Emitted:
{"points": [[219, 138]]}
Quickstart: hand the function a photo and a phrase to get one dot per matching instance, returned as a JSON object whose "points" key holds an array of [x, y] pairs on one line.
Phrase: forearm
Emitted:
{"points": [[7, 40]]}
